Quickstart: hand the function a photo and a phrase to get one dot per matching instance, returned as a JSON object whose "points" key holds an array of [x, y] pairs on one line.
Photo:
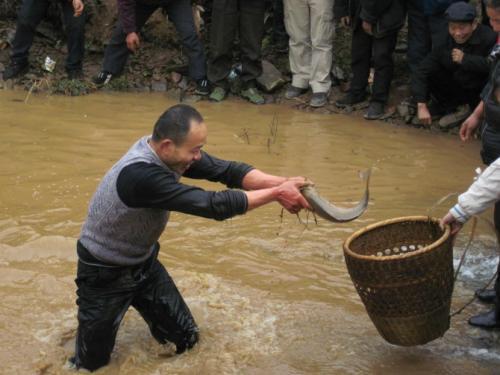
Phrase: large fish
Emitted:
{"points": [[335, 214]]}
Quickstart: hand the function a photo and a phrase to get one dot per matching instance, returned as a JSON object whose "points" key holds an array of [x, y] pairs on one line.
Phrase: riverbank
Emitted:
{"points": [[160, 66]]}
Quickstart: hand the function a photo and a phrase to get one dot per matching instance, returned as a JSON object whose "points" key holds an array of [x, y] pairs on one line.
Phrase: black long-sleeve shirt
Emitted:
{"points": [[147, 185], [472, 73]]}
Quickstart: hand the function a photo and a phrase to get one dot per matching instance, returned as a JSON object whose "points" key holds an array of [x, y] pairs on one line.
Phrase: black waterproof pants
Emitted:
{"points": [[423, 33], [31, 14], [448, 94], [180, 13], [365, 48], [229, 19], [104, 296], [279, 31]]}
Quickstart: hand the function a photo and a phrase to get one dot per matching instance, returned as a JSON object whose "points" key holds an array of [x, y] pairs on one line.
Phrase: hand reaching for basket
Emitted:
{"points": [[450, 220]]}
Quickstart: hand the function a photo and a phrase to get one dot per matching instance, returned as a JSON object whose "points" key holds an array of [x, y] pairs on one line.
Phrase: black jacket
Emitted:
{"points": [[471, 74], [386, 16], [490, 133]]}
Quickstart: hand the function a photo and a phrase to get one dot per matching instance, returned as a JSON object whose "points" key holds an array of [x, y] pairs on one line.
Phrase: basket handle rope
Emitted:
{"points": [[474, 296], [472, 234], [462, 258]]}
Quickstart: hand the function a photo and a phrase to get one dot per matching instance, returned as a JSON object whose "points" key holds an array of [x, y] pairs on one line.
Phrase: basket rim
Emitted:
{"points": [[371, 227]]}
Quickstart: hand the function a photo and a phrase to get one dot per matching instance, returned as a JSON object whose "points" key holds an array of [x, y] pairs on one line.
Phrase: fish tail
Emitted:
{"points": [[365, 175]]}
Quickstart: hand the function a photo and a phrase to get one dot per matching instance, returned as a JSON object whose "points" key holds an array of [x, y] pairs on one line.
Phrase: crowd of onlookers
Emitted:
{"points": [[449, 42]]}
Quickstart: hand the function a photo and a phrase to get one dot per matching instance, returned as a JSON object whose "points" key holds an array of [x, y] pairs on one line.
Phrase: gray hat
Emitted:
{"points": [[460, 12]]}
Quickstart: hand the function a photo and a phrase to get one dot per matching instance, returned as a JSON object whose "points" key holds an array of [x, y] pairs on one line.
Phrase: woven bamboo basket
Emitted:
{"points": [[403, 271]]}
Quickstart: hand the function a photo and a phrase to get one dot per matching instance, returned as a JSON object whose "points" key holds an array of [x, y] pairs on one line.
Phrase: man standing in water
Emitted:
{"points": [[118, 245]]}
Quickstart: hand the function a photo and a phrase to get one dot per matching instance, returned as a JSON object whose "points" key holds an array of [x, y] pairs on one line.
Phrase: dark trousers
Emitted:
{"points": [[423, 32], [365, 48], [485, 20], [180, 13], [496, 217], [31, 14], [104, 296], [490, 139], [229, 19], [279, 30], [448, 94]]}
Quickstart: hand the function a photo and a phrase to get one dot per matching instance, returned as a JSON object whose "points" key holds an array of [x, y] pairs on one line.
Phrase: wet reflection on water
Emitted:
{"points": [[270, 295]]}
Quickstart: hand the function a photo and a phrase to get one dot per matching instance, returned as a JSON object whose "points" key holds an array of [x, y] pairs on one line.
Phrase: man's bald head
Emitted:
{"points": [[175, 123]]}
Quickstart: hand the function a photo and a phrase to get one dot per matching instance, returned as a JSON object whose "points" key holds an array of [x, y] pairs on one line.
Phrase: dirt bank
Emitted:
{"points": [[159, 65]]}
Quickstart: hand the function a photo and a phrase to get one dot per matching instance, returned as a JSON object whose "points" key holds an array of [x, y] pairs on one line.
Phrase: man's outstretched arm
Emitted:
{"points": [[256, 179], [149, 185], [287, 193], [234, 174]]}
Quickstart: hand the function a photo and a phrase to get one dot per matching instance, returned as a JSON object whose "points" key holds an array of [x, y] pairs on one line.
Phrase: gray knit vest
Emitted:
{"points": [[115, 233]]}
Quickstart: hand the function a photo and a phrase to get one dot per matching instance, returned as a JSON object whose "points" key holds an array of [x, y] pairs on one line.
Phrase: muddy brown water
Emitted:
{"points": [[271, 296]]}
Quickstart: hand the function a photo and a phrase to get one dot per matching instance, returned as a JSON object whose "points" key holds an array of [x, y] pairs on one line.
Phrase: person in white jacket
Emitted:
{"points": [[483, 193]]}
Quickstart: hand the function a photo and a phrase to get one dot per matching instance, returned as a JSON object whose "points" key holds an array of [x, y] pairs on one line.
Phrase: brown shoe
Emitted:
{"points": [[454, 119]]}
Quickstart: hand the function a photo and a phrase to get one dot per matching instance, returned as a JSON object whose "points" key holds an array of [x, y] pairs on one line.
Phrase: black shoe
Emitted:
{"points": [[486, 295], [349, 100], [202, 87], [375, 111], [75, 74], [187, 343], [485, 320], [15, 70], [318, 99], [293, 92], [102, 78]]}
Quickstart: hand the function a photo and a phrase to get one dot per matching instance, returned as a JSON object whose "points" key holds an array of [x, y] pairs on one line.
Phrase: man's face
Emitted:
{"points": [[461, 31], [180, 157], [494, 16]]}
